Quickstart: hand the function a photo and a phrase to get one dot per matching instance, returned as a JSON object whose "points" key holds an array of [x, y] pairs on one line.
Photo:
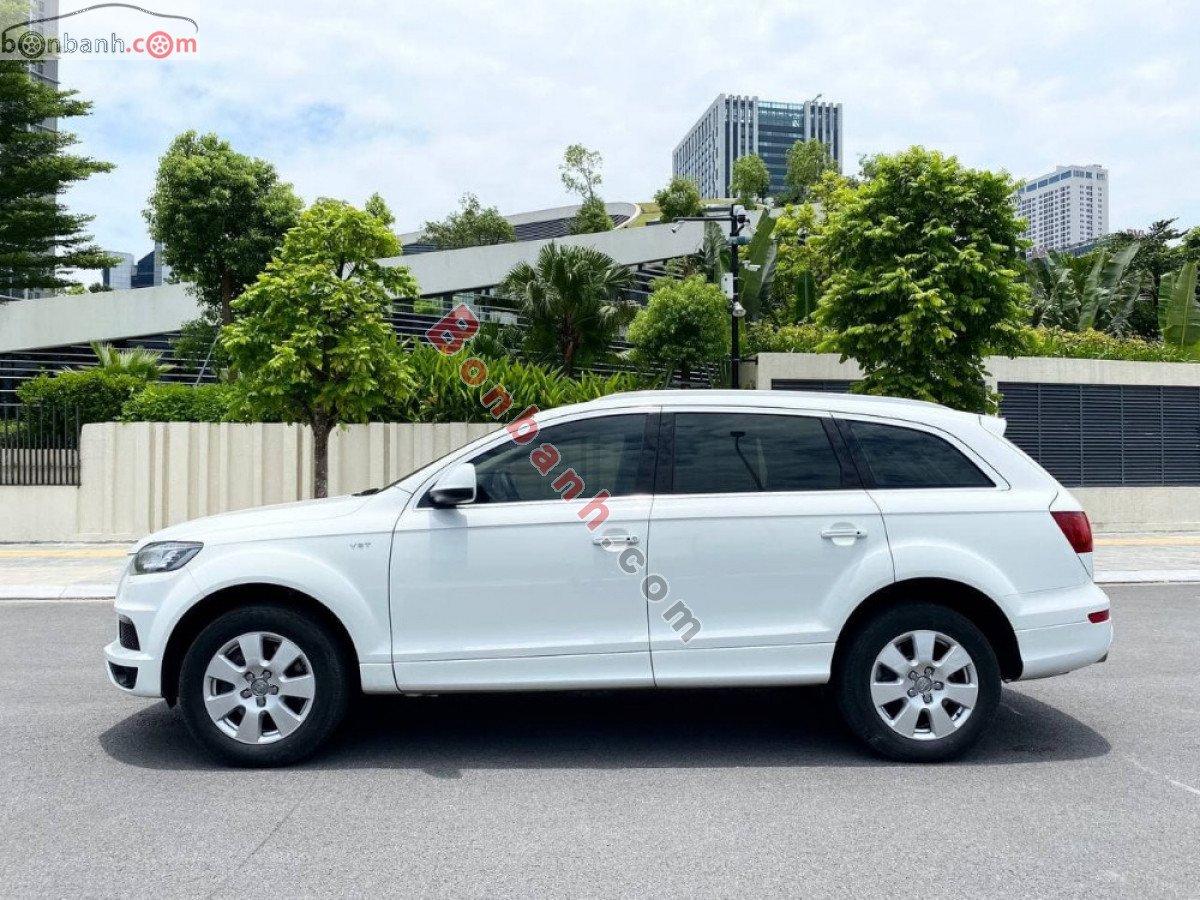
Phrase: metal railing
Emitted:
{"points": [[39, 445]]}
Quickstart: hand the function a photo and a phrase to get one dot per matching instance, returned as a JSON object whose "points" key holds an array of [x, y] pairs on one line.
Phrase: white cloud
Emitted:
{"points": [[423, 102]]}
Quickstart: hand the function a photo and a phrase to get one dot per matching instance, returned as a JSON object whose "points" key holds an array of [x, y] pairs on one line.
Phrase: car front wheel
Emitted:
{"points": [[918, 683], [263, 686]]}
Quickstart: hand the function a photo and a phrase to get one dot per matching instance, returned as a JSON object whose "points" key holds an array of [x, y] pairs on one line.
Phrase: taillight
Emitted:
{"points": [[1076, 529], [1100, 615]]}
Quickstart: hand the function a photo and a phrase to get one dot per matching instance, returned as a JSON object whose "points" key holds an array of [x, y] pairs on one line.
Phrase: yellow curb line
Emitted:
{"points": [[57, 553], [1148, 542]]}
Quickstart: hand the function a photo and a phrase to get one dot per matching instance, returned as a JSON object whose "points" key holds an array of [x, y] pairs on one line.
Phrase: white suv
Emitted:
{"points": [[905, 552]]}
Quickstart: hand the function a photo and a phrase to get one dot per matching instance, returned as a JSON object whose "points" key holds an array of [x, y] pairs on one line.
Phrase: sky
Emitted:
{"points": [[425, 101]]}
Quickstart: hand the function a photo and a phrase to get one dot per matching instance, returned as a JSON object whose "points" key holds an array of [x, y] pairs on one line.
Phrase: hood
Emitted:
{"points": [[260, 522]]}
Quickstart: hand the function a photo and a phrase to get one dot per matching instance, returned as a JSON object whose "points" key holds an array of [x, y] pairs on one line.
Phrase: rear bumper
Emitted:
{"points": [[1063, 648]]}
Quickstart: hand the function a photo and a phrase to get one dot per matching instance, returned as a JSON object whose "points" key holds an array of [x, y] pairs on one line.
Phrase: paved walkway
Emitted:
{"points": [[91, 571]]}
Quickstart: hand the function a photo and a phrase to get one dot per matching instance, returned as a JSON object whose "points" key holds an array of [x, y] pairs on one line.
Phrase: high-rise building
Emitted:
{"points": [[45, 71], [149, 271], [736, 126], [120, 276], [1066, 209]]}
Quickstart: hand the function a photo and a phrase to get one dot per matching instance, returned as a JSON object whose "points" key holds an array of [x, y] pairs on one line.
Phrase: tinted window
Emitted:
{"points": [[907, 458], [721, 453], [605, 452]]}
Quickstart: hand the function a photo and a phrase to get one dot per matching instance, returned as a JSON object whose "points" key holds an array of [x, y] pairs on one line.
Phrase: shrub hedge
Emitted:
{"points": [[99, 395], [179, 403], [1097, 345], [763, 337], [441, 395]]}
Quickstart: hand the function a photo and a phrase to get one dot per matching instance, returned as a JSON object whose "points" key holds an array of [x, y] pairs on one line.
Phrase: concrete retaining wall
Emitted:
{"points": [[140, 477], [137, 478], [30, 514], [766, 368]]}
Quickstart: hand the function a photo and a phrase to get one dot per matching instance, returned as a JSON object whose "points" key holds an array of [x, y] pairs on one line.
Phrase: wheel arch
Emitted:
{"points": [[964, 599], [206, 610]]}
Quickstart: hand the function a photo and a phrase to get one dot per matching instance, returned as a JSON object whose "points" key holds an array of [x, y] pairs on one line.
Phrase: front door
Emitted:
{"points": [[761, 541], [522, 588]]}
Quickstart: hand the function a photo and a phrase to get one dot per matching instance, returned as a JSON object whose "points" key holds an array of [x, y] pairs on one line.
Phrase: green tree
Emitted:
{"points": [[312, 342], [923, 262], [681, 197], [807, 161], [591, 218], [1162, 249], [472, 226], [39, 238], [751, 180], [685, 325], [799, 269], [572, 300], [376, 206], [220, 215], [580, 171], [1096, 290]]}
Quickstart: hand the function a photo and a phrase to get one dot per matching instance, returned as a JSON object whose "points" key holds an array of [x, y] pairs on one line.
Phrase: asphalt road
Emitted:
{"points": [[1087, 785]]}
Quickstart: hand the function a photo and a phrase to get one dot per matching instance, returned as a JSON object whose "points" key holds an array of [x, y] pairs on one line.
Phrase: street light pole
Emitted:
{"points": [[737, 221]]}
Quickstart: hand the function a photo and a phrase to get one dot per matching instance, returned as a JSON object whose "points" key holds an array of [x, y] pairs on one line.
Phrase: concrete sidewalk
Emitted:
{"points": [[91, 571]]}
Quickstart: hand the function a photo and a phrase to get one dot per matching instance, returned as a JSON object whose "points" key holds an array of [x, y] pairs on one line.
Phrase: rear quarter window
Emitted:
{"points": [[899, 457]]}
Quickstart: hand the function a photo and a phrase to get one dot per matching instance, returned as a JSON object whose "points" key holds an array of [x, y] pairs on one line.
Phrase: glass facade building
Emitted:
{"points": [[735, 126]]}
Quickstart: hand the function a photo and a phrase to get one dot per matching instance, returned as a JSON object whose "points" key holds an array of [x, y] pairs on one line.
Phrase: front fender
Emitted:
{"points": [[350, 581]]}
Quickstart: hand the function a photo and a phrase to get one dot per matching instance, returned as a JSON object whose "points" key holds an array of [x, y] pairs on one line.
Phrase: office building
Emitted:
{"points": [[46, 72], [736, 126], [149, 271], [1065, 209], [120, 276]]}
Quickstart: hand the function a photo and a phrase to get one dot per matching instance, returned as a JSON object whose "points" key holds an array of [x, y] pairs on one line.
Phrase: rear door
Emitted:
{"points": [[950, 514], [761, 541]]}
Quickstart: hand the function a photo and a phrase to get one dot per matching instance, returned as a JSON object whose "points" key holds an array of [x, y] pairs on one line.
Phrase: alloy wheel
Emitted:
{"points": [[924, 685], [259, 688]]}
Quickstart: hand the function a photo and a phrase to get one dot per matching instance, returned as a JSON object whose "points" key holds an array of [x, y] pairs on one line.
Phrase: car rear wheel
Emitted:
{"points": [[263, 686], [918, 683]]}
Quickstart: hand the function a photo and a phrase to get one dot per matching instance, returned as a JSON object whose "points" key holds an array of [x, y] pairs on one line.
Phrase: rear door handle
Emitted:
{"points": [[842, 531]]}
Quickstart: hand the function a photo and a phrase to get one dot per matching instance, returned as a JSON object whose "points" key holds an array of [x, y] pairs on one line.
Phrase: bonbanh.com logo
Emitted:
{"points": [[35, 39]]}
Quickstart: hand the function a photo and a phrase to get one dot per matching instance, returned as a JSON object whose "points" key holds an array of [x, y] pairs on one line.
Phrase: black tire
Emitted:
{"points": [[856, 668], [330, 670]]}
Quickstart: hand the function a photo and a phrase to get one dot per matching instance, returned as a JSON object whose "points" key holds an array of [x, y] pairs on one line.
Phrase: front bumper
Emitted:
{"points": [[133, 671], [152, 605]]}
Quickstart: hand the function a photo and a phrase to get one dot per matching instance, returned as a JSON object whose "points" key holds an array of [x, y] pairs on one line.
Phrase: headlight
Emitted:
{"points": [[166, 556]]}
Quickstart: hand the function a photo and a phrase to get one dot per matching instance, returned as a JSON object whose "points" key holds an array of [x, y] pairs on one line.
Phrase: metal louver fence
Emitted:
{"points": [[1093, 435], [39, 446], [1107, 435]]}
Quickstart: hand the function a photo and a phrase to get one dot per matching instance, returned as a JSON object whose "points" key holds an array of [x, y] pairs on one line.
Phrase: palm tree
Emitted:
{"points": [[572, 300], [1081, 292], [137, 361]]}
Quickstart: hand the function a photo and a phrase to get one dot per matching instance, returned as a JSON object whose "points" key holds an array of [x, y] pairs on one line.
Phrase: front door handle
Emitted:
{"points": [[614, 540], [843, 531]]}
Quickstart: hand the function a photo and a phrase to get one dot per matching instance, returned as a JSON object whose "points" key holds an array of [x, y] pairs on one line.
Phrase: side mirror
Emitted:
{"points": [[454, 488]]}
